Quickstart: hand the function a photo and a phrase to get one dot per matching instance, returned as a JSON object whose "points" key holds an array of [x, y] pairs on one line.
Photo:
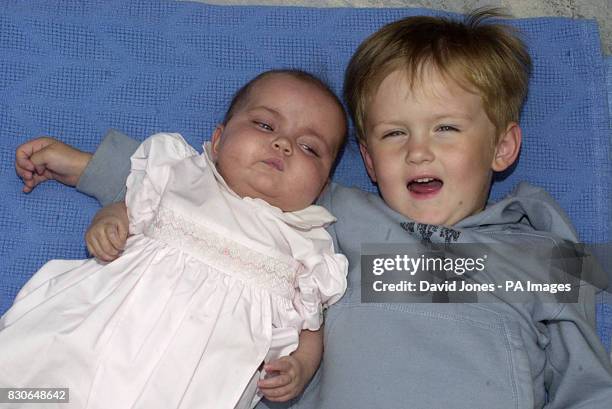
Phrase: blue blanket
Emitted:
{"points": [[74, 69]]}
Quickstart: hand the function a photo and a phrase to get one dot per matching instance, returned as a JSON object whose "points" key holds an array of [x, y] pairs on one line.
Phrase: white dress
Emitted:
{"points": [[209, 286]]}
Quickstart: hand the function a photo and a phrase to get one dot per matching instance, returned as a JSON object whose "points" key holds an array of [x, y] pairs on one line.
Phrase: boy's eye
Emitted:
{"points": [[263, 125], [447, 128], [393, 133], [309, 150]]}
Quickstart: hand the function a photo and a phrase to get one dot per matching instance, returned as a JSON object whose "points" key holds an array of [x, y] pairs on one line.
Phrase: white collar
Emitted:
{"points": [[304, 219]]}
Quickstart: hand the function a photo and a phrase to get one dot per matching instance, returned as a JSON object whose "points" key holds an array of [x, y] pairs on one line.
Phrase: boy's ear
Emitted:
{"points": [[367, 160], [216, 140], [508, 148]]}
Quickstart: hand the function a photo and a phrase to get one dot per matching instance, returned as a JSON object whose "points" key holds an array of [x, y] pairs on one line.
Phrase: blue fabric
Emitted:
{"points": [[604, 306], [609, 87], [74, 69]]}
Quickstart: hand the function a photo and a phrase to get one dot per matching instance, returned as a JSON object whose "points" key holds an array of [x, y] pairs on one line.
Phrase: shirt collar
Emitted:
{"points": [[304, 219]]}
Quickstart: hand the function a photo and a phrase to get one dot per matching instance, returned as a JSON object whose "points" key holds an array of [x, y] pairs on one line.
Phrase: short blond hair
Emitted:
{"points": [[480, 55]]}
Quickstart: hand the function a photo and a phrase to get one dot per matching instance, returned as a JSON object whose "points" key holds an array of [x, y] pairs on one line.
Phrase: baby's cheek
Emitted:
{"points": [[311, 184], [224, 171], [323, 175]]}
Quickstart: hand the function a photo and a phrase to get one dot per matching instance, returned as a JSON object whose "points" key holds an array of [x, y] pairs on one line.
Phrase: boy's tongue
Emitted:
{"points": [[425, 187]]}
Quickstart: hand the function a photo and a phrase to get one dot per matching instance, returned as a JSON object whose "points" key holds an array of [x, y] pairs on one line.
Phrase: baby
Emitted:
{"points": [[227, 261]]}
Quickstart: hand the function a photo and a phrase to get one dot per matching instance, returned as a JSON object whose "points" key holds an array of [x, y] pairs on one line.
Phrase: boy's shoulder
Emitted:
{"points": [[527, 208], [350, 202], [336, 192]]}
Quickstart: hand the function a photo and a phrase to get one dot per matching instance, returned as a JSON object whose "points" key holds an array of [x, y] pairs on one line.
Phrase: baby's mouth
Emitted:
{"points": [[425, 185], [275, 163]]}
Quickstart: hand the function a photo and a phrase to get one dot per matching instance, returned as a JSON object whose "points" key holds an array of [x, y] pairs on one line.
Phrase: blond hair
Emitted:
{"points": [[483, 56]]}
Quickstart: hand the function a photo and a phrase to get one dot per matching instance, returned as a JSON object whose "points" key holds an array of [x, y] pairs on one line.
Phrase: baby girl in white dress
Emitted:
{"points": [[227, 260]]}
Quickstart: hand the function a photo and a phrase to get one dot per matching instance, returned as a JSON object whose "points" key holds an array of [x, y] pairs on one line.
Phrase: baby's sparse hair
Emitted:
{"points": [[242, 95], [480, 55]]}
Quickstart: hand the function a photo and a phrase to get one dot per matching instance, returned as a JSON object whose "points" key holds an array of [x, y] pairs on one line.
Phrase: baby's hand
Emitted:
{"points": [[108, 232], [286, 379], [46, 158]]}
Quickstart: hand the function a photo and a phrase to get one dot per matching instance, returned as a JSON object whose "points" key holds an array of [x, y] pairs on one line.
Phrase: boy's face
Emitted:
{"points": [[431, 149], [281, 144]]}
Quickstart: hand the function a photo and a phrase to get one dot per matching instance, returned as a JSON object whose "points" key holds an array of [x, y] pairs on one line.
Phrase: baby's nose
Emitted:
{"points": [[283, 145]]}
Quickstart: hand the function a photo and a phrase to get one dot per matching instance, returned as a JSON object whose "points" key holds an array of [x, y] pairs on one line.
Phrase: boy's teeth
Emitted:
{"points": [[423, 180]]}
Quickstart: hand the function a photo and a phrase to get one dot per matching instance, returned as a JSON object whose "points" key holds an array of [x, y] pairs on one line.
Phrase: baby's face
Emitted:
{"points": [[430, 149], [281, 145]]}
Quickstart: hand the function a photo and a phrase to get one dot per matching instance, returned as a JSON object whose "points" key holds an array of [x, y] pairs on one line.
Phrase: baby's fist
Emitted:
{"points": [[106, 237], [41, 159], [285, 379]]}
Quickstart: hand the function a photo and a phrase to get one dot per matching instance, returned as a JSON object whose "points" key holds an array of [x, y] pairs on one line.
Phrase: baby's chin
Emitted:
{"points": [[280, 202], [289, 206]]}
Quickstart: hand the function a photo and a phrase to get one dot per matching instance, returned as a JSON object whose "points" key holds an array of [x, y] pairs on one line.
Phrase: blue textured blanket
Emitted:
{"points": [[74, 69]]}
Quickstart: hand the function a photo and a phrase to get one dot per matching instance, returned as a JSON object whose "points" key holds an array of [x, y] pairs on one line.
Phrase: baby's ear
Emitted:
{"points": [[216, 140], [367, 160], [507, 148]]}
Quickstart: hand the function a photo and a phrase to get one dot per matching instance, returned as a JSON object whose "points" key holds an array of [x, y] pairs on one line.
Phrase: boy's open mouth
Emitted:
{"points": [[425, 185]]}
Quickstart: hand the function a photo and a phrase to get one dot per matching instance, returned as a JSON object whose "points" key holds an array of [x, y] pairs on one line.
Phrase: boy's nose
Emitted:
{"points": [[418, 151], [283, 145]]}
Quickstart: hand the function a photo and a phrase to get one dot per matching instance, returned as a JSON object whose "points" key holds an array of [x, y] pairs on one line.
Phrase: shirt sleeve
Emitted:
{"points": [[105, 175], [579, 373]]}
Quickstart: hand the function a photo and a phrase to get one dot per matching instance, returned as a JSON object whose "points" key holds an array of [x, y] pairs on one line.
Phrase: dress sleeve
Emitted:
{"points": [[104, 177], [321, 283], [151, 165]]}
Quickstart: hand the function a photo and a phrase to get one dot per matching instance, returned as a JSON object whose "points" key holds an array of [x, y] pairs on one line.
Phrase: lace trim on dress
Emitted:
{"points": [[223, 254]]}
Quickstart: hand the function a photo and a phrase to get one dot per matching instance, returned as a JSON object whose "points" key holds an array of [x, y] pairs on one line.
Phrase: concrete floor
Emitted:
{"points": [[597, 9]]}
